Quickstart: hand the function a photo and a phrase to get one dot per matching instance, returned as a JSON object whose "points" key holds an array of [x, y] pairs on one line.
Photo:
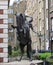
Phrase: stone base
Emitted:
{"points": [[23, 62]]}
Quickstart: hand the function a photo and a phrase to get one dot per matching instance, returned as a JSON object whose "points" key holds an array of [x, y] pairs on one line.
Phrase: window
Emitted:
{"points": [[40, 10], [40, 6], [10, 20], [40, 27], [10, 11], [40, 23], [51, 2], [52, 24], [46, 23], [33, 2], [11, 37], [18, 1]]}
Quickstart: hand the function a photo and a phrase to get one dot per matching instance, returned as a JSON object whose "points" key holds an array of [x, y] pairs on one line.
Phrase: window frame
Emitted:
{"points": [[52, 24]]}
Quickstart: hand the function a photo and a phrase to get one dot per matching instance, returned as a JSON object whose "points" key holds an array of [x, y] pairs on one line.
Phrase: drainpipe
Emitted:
{"points": [[44, 23], [49, 21]]}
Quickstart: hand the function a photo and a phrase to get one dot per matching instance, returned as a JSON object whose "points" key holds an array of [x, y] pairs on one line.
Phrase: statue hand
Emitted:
{"points": [[12, 26]]}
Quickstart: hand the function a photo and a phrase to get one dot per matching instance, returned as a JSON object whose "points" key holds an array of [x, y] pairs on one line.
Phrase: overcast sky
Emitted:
{"points": [[11, 2]]}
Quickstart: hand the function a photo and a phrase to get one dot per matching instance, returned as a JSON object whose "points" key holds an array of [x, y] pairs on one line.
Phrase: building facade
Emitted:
{"points": [[36, 9], [10, 30], [32, 10], [41, 24], [46, 25], [4, 30], [50, 4]]}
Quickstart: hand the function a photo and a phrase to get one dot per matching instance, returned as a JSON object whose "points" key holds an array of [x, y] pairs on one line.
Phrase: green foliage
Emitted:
{"points": [[44, 55], [15, 49], [16, 53], [49, 59], [9, 49]]}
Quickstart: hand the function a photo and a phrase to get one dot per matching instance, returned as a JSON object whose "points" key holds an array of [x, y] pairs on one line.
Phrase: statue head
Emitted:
{"points": [[20, 19]]}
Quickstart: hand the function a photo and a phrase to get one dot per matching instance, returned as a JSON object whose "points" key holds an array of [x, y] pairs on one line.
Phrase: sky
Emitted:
{"points": [[11, 2]]}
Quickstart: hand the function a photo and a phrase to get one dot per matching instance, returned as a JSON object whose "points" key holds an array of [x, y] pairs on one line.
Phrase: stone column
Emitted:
{"points": [[3, 31]]}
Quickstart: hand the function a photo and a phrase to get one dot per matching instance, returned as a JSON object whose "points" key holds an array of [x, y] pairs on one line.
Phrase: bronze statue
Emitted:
{"points": [[23, 33]]}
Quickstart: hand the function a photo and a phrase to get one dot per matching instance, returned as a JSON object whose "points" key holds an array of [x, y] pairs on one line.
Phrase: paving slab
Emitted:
{"points": [[23, 62]]}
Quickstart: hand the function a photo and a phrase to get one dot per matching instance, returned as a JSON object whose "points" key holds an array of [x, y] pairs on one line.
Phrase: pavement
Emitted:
{"points": [[23, 62]]}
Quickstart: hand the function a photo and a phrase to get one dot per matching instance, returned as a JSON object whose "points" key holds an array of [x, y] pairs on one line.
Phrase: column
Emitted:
{"points": [[3, 31]]}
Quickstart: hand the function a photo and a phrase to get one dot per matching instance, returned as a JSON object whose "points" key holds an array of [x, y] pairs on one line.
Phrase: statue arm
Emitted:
{"points": [[30, 25], [30, 18], [33, 29]]}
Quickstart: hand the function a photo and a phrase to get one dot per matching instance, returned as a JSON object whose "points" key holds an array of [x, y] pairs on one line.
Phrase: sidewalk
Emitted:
{"points": [[23, 62]]}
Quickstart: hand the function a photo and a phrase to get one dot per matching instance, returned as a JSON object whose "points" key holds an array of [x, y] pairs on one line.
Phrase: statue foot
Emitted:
{"points": [[19, 59], [30, 59]]}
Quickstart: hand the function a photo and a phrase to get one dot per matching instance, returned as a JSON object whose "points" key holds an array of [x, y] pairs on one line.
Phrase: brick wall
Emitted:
{"points": [[3, 31]]}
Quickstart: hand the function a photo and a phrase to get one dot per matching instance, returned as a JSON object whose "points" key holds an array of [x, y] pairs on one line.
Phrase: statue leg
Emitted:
{"points": [[22, 50], [29, 51]]}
